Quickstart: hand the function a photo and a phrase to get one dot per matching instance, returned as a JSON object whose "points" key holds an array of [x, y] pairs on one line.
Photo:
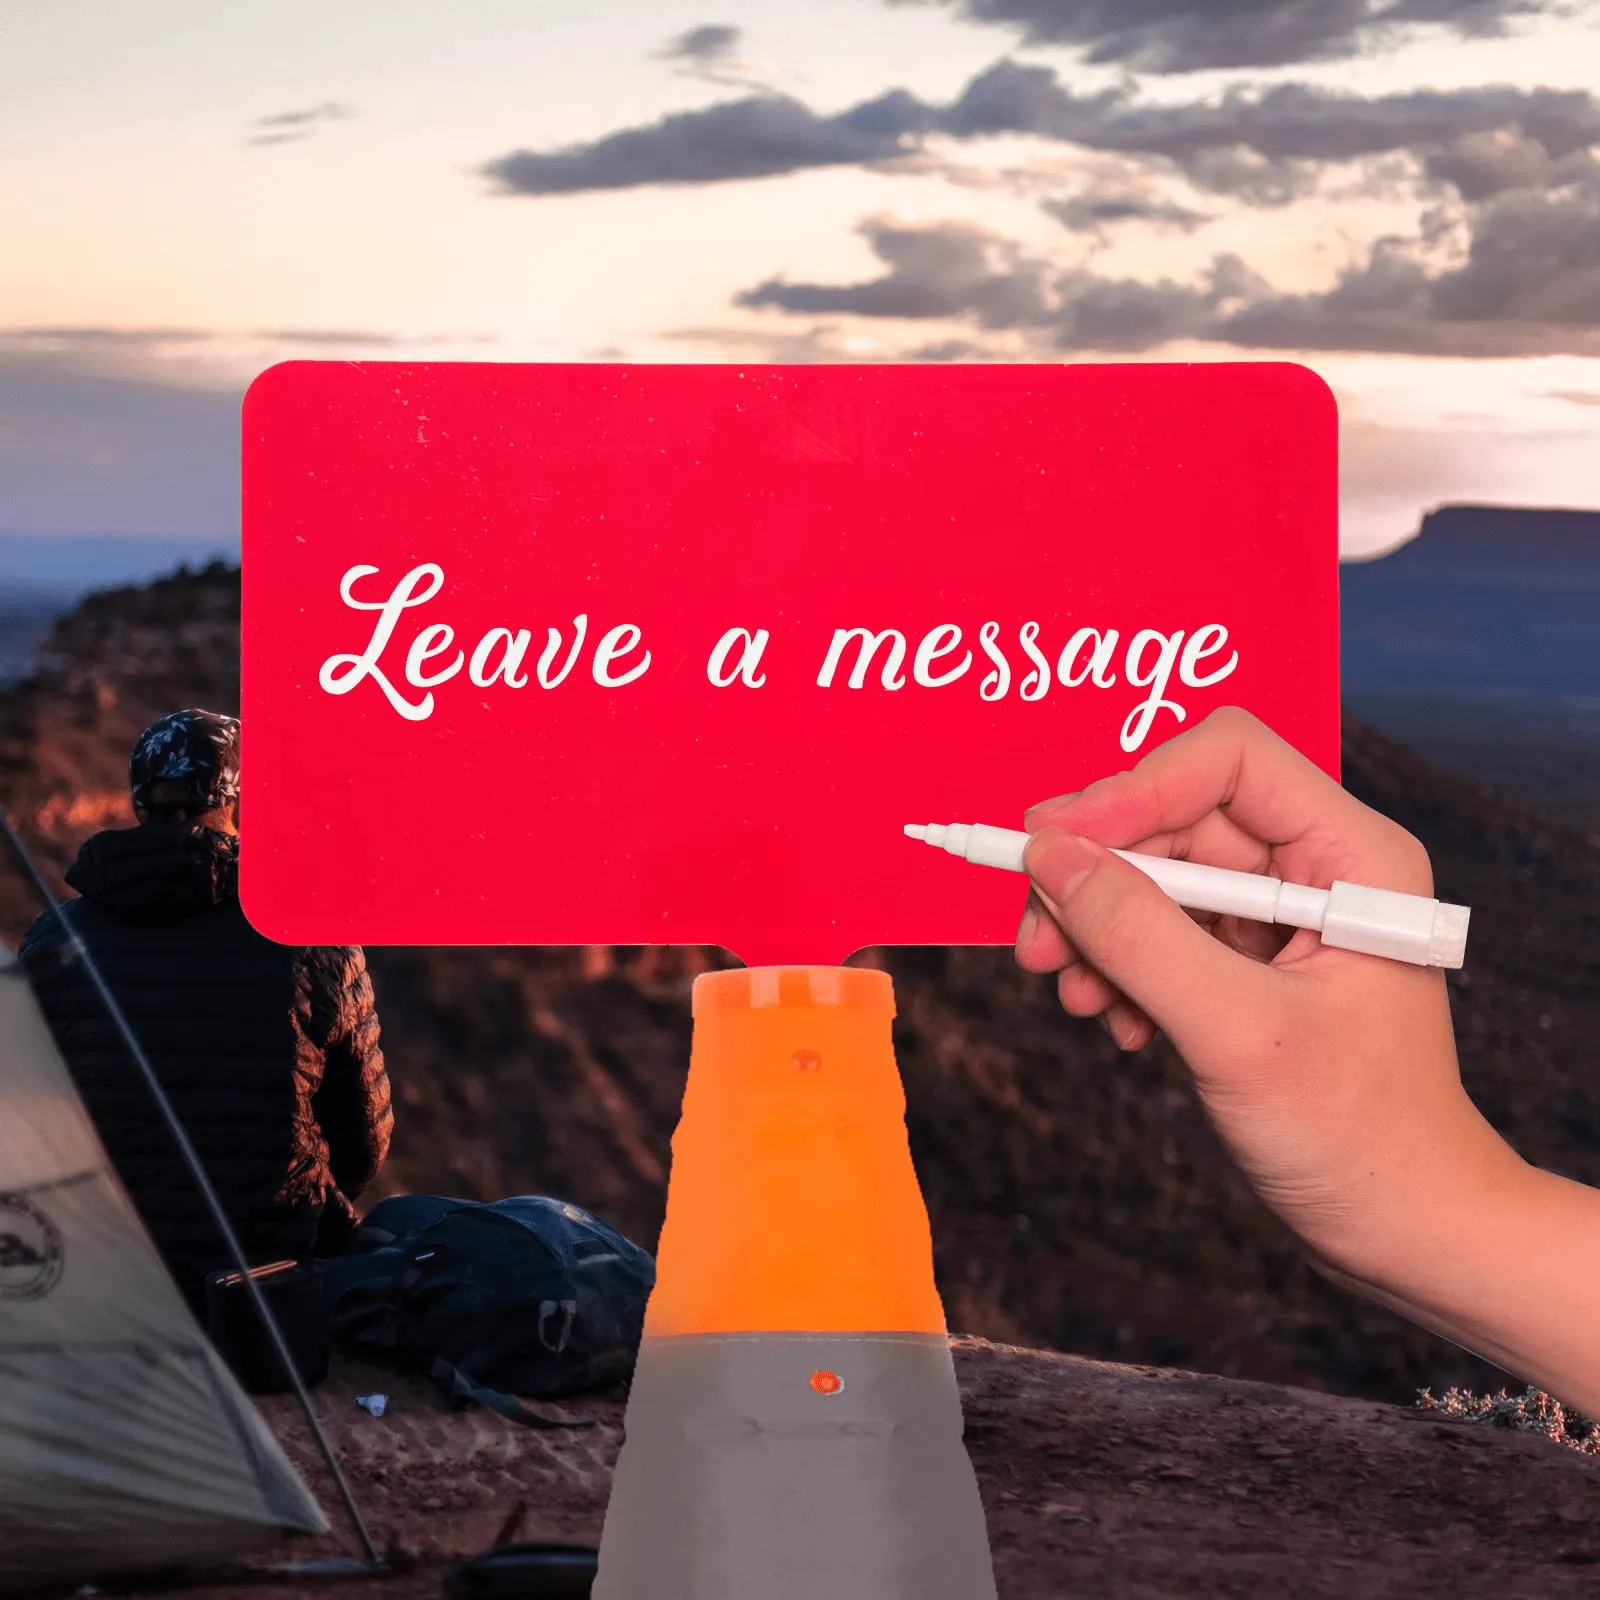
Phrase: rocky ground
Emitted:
{"points": [[1078, 1198], [1120, 1482]]}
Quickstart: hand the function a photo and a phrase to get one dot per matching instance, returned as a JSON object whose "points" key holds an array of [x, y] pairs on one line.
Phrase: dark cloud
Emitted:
{"points": [[286, 127], [1187, 35], [338, 338], [1484, 163], [956, 271], [759, 137], [953, 350], [797, 344], [330, 336], [710, 53], [948, 270], [1266, 147], [88, 335], [706, 45], [1530, 285], [328, 111], [1479, 166], [1246, 174], [175, 355], [1093, 213], [196, 356], [1535, 258]]}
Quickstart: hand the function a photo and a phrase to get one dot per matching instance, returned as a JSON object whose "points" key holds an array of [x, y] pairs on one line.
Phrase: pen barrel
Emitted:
{"points": [[1348, 916], [1213, 889]]}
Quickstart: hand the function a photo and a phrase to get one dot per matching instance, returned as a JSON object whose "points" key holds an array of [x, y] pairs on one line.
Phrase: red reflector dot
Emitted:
{"points": [[807, 1060], [826, 1382]]}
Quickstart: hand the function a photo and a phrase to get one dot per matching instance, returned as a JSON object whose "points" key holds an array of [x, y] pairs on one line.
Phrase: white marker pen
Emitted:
{"points": [[1377, 922]]}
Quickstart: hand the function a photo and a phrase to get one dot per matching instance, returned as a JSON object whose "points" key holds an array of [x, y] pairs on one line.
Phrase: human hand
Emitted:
{"points": [[1330, 1075]]}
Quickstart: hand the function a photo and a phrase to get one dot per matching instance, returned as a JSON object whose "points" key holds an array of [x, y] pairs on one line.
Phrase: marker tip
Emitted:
{"points": [[915, 830]]}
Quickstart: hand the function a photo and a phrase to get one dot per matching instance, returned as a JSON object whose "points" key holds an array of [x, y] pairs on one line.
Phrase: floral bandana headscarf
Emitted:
{"points": [[199, 749]]}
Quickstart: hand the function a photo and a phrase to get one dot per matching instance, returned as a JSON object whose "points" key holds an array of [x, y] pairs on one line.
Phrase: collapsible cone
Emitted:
{"points": [[794, 1427]]}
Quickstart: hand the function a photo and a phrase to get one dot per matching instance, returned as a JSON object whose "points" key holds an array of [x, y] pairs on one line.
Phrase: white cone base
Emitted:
{"points": [[742, 1480]]}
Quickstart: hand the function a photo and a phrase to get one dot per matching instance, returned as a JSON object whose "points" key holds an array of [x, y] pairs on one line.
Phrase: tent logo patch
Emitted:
{"points": [[30, 1250]]}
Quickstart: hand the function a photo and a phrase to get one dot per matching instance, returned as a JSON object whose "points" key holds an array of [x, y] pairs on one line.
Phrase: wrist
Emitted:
{"points": [[1400, 1216], [1499, 1257], [1424, 1232], [1416, 1192]]}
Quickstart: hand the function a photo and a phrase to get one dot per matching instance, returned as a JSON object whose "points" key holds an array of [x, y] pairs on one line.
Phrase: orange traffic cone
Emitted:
{"points": [[794, 1427]]}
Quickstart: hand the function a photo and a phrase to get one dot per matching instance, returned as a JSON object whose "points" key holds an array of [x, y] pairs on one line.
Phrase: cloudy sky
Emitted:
{"points": [[1404, 194]]}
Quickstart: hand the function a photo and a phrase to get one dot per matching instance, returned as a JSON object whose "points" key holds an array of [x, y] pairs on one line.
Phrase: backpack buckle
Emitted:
{"points": [[547, 1309]]}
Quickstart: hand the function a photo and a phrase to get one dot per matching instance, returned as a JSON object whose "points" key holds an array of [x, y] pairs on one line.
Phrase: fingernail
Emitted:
{"points": [[1059, 861], [1119, 1029], [1030, 926]]}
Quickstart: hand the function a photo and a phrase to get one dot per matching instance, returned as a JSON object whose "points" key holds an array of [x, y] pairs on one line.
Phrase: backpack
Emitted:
{"points": [[528, 1295]]}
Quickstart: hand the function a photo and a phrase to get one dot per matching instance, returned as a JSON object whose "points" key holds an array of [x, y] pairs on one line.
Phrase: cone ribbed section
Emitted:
{"points": [[794, 1425]]}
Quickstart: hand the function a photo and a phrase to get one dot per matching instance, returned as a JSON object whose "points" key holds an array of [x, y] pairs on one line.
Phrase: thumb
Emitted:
{"points": [[1143, 942]]}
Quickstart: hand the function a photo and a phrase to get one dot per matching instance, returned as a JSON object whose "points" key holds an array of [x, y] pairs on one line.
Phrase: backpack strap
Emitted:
{"points": [[457, 1386]]}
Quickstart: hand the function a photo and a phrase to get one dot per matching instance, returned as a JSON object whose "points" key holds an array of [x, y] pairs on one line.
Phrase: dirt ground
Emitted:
{"points": [[1125, 1483]]}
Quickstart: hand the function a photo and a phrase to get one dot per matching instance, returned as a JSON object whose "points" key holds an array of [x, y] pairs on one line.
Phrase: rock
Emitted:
{"points": [[1257, 1490]]}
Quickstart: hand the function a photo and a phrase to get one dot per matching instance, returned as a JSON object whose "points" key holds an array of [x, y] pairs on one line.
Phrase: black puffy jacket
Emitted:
{"points": [[269, 1053]]}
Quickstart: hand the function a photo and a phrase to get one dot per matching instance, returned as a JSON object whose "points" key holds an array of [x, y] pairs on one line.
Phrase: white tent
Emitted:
{"points": [[125, 1442]]}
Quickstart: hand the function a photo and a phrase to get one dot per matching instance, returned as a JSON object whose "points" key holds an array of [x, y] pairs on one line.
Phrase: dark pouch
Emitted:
{"points": [[546, 1571], [294, 1296]]}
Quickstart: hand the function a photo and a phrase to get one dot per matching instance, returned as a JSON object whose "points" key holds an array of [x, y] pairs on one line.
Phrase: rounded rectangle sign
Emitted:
{"points": [[655, 654]]}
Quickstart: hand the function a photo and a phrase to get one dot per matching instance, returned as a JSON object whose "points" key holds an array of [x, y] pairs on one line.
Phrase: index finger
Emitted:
{"points": [[1233, 764]]}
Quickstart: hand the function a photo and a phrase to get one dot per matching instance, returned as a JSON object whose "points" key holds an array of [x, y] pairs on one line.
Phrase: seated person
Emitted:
{"points": [[269, 1053]]}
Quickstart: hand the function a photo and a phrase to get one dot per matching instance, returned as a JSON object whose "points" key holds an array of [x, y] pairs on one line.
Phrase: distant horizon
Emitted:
{"points": [[79, 561], [1494, 694]]}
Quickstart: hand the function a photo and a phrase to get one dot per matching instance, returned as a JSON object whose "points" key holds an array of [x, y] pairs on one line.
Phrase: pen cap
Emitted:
{"points": [[1403, 927]]}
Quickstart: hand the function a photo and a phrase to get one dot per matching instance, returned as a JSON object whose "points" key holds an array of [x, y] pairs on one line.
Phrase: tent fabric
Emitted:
{"points": [[125, 1442]]}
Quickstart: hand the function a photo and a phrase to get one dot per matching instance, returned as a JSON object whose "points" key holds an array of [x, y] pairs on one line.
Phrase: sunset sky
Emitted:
{"points": [[1405, 194]]}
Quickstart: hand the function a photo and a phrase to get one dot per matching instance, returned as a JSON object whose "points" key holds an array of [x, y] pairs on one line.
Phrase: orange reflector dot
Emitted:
{"points": [[826, 1382], [807, 1060]]}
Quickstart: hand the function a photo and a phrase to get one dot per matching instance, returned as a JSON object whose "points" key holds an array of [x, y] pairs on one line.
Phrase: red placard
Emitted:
{"points": [[1058, 566]]}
